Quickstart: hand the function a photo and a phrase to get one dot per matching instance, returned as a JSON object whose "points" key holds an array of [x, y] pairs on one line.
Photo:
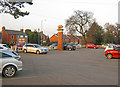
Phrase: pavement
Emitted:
{"points": [[81, 67]]}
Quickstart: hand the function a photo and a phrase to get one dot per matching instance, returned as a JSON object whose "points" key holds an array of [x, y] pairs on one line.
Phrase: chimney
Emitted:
{"points": [[41, 32], [21, 30], [71, 35], [3, 28]]}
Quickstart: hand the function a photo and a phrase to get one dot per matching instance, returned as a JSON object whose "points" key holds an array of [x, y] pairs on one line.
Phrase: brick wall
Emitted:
{"points": [[54, 38], [4, 36]]}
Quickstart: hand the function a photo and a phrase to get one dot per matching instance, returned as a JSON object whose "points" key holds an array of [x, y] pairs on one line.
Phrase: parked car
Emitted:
{"points": [[10, 63], [4, 47], [78, 46], [104, 45], [69, 46], [53, 46], [109, 47], [35, 48], [91, 45], [114, 53], [18, 45]]}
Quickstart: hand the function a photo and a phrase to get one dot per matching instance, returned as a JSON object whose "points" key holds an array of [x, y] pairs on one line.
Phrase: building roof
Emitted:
{"points": [[13, 32], [64, 36], [70, 37], [42, 34]]}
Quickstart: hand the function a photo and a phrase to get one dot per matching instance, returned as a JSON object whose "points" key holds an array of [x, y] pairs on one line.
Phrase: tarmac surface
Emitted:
{"points": [[81, 67]]}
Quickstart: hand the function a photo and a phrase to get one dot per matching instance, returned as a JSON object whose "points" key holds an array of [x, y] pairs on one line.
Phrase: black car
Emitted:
{"points": [[69, 46]]}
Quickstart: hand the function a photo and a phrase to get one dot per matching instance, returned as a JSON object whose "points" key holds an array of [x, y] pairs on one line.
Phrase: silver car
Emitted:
{"points": [[4, 47], [10, 63], [35, 48]]}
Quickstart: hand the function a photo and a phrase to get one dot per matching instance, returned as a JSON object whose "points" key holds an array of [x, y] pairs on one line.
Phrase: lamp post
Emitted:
{"points": [[38, 35], [42, 30]]}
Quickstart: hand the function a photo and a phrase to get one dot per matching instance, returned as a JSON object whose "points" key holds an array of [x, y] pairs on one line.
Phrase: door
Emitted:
{"points": [[33, 48], [116, 52], [119, 52], [4, 59], [30, 48]]}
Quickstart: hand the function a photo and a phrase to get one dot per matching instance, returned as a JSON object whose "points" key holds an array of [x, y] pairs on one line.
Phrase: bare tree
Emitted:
{"points": [[80, 22], [113, 30], [13, 8]]}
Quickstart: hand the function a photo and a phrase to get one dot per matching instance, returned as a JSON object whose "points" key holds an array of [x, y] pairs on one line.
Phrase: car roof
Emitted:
{"points": [[117, 47], [2, 44]]}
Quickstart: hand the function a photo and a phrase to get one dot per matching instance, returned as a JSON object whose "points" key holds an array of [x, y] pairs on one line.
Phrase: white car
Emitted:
{"points": [[4, 47], [10, 63], [53, 46], [109, 47], [35, 48], [78, 46]]}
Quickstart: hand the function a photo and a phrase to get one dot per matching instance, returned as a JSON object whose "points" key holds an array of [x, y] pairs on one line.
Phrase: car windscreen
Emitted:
{"points": [[37, 46], [15, 53], [6, 46]]}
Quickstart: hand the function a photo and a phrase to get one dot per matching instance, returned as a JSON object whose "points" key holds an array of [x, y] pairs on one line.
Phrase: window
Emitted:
{"points": [[37, 46], [14, 53], [29, 45], [1, 48], [6, 46], [117, 49], [12, 37], [3, 55], [13, 42]]}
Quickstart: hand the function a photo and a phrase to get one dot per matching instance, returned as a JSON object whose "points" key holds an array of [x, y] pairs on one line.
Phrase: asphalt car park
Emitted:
{"points": [[80, 67]]}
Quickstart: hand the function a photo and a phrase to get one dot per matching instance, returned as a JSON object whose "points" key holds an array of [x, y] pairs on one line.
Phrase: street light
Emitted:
{"points": [[42, 29]]}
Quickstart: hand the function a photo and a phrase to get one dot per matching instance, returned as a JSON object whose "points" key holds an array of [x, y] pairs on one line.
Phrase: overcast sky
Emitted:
{"points": [[54, 12]]}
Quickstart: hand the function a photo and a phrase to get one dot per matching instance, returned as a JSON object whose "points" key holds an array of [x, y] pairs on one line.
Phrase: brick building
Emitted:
{"points": [[13, 36], [43, 36], [67, 39]]}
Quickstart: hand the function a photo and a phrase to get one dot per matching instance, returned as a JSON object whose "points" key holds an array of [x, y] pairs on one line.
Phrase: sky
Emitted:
{"points": [[48, 14]]}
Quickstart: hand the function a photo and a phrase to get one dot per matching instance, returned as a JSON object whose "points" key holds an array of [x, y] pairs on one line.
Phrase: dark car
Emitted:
{"points": [[69, 46]]}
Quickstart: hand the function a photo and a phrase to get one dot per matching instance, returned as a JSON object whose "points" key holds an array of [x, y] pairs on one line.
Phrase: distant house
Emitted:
{"points": [[0, 37], [43, 36], [67, 39], [13, 36]]}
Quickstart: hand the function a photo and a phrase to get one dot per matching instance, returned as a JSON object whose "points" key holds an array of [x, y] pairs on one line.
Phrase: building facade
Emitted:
{"points": [[13, 36], [67, 39], [43, 36]]}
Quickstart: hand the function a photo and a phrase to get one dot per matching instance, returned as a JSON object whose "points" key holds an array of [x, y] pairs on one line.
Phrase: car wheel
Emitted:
{"points": [[70, 49], [109, 56], [25, 51], [37, 52], [9, 71]]}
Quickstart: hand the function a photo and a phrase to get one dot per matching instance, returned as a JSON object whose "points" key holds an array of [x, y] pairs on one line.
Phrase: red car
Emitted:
{"points": [[115, 53], [90, 45], [18, 45]]}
